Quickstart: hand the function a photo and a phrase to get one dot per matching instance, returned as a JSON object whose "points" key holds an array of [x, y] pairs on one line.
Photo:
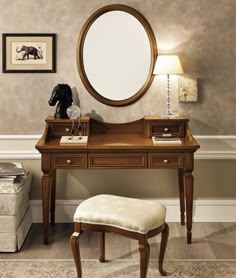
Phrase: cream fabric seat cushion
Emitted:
{"points": [[126, 213]]}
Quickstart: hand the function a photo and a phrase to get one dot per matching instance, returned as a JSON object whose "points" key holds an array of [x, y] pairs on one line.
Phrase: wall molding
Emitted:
{"points": [[203, 210], [215, 137], [216, 147], [19, 137], [212, 147], [215, 155], [20, 155], [19, 147]]}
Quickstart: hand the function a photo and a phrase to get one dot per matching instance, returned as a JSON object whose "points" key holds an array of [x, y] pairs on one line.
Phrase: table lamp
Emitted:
{"points": [[168, 64]]}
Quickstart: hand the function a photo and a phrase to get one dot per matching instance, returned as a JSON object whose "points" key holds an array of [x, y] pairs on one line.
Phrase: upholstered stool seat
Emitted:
{"points": [[126, 213], [134, 218]]}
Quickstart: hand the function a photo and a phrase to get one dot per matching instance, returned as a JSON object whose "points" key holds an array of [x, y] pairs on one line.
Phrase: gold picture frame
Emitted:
{"points": [[29, 53]]}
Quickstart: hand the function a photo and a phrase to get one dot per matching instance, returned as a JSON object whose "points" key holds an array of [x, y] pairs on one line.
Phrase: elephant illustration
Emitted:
{"points": [[29, 50]]}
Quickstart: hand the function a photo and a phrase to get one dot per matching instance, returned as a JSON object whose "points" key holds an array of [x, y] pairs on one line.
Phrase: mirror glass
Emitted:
{"points": [[116, 54]]}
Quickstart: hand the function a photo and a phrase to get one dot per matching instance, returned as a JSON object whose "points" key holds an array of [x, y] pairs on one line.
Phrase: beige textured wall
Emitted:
{"points": [[202, 32]]}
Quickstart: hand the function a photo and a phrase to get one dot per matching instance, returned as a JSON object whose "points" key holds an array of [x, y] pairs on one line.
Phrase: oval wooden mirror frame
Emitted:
{"points": [[80, 60]]}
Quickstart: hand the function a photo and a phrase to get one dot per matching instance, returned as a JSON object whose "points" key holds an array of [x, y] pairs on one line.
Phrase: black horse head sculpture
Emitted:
{"points": [[63, 94]]}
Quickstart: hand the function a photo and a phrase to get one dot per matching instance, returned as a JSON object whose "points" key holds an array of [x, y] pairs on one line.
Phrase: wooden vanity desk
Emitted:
{"points": [[118, 146]]}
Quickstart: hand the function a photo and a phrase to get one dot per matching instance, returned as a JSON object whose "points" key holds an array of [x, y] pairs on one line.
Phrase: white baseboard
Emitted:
{"points": [[203, 210]]}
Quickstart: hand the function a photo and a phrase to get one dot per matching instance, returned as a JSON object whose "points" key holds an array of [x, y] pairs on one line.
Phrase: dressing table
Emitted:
{"points": [[118, 146], [117, 75]]}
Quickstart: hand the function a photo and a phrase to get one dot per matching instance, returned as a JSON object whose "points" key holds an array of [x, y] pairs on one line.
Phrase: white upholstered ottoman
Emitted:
{"points": [[15, 214], [133, 218]]}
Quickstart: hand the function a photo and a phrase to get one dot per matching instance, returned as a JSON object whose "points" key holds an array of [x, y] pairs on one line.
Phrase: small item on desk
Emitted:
{"points": [[73, 113], [166, 135], [11, 169], [165, 140], [62, 95], [74, 140]]}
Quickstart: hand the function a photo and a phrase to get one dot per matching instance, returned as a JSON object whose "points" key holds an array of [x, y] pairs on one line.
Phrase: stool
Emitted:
{"points": [[133, 218]]}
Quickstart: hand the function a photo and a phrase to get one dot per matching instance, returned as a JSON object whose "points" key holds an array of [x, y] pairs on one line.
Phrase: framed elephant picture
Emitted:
{"points": [[28, 53]]}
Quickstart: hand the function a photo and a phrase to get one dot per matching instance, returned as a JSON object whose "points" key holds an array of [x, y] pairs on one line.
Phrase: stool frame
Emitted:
{"points": [[144, 248]]}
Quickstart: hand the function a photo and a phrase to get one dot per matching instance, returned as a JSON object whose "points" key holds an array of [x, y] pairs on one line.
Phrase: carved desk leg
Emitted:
{"points": [[188, 184], [181, 195], [46, 186], [53, 197]]}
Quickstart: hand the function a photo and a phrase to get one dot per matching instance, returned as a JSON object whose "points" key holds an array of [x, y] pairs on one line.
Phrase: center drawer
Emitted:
{"points": [[70, 160], [165, 160], [118, 160]]}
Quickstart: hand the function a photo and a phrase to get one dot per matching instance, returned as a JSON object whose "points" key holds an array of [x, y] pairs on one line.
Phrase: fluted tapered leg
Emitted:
{"points": [[181, 196], [76, 253], [164, 239]]}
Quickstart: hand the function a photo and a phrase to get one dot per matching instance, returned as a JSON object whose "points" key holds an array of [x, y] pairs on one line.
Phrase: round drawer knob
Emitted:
{"points": [[67, 129], [68, 161], [166, 129], [165, 161]]}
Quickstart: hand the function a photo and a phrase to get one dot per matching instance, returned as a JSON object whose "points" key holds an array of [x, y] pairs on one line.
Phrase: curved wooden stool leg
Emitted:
{"points": [[101, 237], [148, 255], [74, 243], [164, 239], [144, 250]]}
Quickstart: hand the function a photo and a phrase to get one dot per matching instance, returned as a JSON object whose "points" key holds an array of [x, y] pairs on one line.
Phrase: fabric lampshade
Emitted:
{"points": [[168, 64]]}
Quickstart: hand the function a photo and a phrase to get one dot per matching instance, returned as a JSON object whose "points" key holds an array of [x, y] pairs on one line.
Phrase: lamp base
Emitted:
{"points": [[170, 115]]}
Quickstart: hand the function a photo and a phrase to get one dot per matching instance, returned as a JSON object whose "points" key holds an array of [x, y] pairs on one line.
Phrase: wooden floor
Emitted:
{"points": [[210, 241]]}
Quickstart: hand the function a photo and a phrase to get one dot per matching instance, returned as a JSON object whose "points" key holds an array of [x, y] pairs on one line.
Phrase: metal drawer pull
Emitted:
{"points": [[165, 161], [166, 129], [67, 129], [68, 161]]}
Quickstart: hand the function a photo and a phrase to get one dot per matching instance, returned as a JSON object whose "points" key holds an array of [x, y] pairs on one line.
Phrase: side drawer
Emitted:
{"points": [[165, 160], [64, 129], [117, 160], [60, 129], [70, 161], [167, 129]]}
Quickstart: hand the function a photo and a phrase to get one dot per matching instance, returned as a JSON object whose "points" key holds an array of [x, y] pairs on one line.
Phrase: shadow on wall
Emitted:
{"points": [[76, 100], [93, 115]]}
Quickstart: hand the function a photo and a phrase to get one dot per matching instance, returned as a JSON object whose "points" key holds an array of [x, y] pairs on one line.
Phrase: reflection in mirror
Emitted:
{"points": [[113, 58], [116, 54]]}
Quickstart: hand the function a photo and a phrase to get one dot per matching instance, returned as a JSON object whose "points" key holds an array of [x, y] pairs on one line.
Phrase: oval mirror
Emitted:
{"points": [[116, 52]]}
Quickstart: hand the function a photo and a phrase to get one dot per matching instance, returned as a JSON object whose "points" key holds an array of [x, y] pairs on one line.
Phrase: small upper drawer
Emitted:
{"points": [[165, 160], [118, 160], [60, 129], [167, 129], [65, 129], [70, 160]]}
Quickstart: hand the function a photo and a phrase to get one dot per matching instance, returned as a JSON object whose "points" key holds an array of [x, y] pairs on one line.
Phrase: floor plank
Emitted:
{"points": [[210, 241]]}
